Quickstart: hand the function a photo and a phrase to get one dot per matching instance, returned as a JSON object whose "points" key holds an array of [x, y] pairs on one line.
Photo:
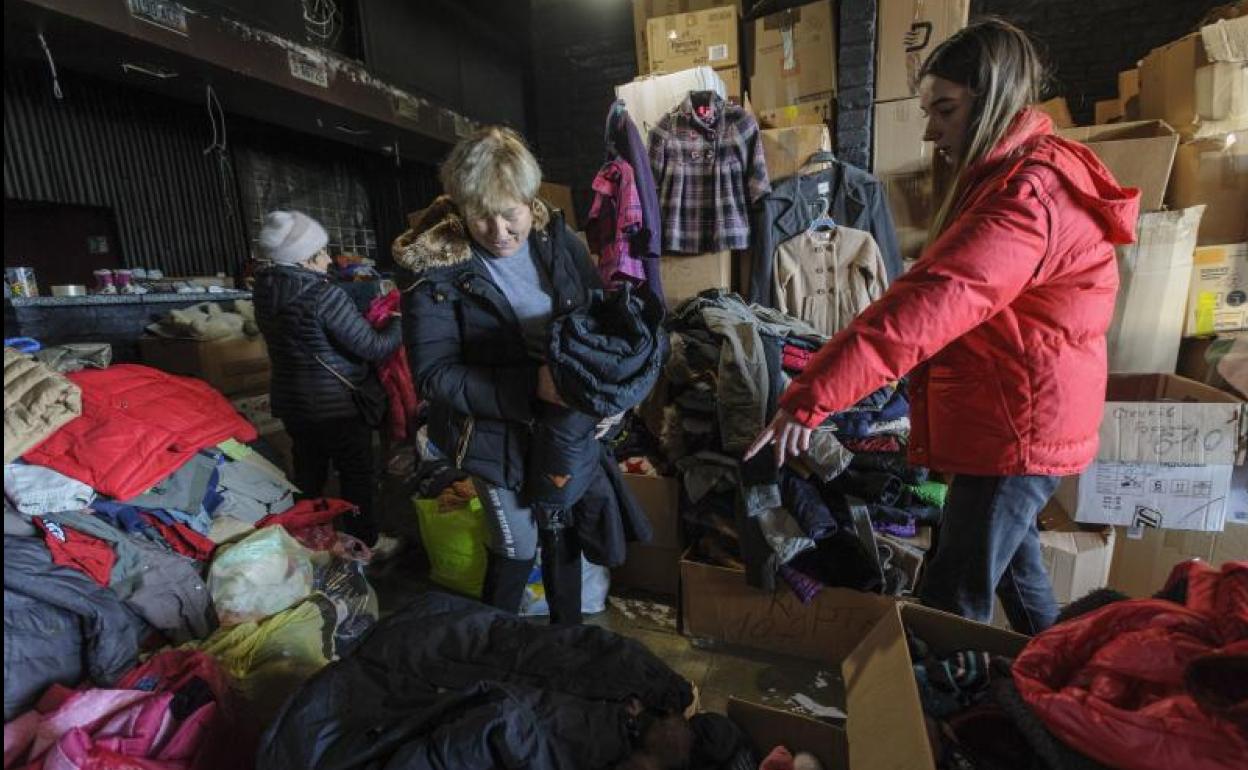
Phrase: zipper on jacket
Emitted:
{"points": [[464, 439]]}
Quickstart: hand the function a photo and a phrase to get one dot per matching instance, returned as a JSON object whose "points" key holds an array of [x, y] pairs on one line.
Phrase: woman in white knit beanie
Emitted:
{"points": [[321, 348]]}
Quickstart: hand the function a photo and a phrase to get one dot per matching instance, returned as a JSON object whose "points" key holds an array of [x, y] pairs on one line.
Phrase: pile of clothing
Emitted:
{"points": [[851, 512], [1131, 683], [208, 321], [137, 517]]}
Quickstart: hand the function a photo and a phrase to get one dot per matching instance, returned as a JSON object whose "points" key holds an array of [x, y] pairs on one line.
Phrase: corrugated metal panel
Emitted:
{"points": [[137, 153]]}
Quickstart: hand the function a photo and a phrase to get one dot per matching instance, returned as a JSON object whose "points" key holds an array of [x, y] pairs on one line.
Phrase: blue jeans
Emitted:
{"points": [[989, 543]]}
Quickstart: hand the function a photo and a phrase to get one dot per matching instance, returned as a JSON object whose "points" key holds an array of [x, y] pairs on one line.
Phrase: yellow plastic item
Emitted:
{"points": [[455, 541]]}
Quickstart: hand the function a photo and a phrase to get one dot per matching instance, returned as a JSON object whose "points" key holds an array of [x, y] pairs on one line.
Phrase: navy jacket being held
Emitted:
{"points": [[304, 315]]}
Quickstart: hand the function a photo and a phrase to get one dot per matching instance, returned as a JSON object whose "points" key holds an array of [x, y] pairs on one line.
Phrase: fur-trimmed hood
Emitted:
{"points": [[440, 237]]}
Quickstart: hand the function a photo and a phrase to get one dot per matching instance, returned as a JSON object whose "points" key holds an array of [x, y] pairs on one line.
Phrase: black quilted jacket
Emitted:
{"points": [[304, 315]]}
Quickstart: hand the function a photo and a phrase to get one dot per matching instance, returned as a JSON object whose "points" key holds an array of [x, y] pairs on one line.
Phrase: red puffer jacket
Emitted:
{"points": [[1130, 685], [138, 425], [395, 374], [1008, 308]]}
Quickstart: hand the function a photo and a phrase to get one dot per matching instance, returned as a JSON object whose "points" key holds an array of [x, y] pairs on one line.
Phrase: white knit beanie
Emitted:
{"points": [[291, 237]]}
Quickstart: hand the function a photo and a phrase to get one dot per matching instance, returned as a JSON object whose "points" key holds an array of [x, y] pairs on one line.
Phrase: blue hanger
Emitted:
{"points": [[823, 221]]}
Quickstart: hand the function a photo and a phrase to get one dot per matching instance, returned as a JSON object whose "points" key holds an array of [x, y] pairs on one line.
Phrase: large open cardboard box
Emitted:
{"points": [[717, 604], [654, 566], [235, 365], [768, 727]]}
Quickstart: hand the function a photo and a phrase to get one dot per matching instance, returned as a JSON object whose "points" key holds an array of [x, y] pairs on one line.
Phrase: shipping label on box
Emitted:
{"points": [[788, 149], [909, 31], [1190, 497], [693, 39], [794, 56], [1218, 298]]}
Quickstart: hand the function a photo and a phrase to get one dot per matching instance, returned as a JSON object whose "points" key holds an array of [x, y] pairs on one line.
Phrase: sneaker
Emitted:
{"points": [[386, 547]]}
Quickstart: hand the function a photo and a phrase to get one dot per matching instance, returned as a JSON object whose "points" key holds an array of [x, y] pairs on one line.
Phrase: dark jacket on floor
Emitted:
{"points": [[447, 682], [304, 315], [60, 627]]}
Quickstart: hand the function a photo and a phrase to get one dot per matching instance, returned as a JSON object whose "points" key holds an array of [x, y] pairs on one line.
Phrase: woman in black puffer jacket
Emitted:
{"points": [[316, 339]]}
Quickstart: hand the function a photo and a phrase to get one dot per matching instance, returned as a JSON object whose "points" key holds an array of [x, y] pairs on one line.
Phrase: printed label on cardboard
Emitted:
{"points": [[1154, 496]]}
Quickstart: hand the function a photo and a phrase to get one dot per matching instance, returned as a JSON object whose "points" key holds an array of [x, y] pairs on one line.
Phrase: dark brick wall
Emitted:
{"points": [[1088, 42], [581, 51]]}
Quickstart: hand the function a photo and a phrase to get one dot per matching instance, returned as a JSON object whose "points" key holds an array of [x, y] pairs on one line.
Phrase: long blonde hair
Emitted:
{"points": [[1000, 66]]}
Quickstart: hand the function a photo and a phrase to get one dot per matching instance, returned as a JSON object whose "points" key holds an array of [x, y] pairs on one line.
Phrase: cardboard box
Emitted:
{"points": [[716, 603], [1167, 450], [886, 727], [1144, 558], [1154, 275], [769, 727], [899, 146], [559, 196], [685, 277], [234, 366], [1217, 300], [909, 31], [649, 568], [1129, 93], [911, 199], [806, 114], [693, 39], [1139, 154], [794, 57], [732, 83], [1199, 358], [644, 10], [1226, 40], [1214, 171], [1169, 82], [788, 149], [1108, 111], [659, 497], [1059, 111]]}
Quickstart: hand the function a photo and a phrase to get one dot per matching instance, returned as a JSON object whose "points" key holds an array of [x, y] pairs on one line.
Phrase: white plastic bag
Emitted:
{"points": [[595, 583], [261, 575]]}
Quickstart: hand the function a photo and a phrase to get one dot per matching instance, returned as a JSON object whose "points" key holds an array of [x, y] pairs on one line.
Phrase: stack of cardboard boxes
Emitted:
{"points": [[675, 35], [908, 32]]}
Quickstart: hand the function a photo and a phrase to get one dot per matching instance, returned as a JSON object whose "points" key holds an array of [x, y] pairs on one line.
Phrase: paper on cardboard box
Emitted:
{"points": [[909, 31], [1217, 300], [717, 603], [693, 39], [1138, 154], [1214, 171], [806, 114], [794, 56], [648, 99], [1226, 40], [685, 277], [643, 10], [788, 149], [1163, 418], [1153, 496], [886, 726], [899, 146], [1154, 275]]}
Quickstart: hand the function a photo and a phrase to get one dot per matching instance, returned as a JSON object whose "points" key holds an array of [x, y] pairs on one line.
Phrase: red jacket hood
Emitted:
{"points": [[1030, 139]]}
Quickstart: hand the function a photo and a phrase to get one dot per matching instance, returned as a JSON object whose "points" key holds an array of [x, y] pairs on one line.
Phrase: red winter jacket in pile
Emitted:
{"points": [[138, 425], [1123, 684], [395, 374], [1009, 310]]}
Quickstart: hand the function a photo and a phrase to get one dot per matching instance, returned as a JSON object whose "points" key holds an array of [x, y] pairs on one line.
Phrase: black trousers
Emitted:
{"points": [[348, 444]]}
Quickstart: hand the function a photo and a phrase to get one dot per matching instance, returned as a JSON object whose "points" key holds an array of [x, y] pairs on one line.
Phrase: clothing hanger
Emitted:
{"points": [[823, 221]]}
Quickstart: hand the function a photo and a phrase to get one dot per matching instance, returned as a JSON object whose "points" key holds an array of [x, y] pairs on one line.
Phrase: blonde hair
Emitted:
{"points": [[490, 170], [1000, 66]]}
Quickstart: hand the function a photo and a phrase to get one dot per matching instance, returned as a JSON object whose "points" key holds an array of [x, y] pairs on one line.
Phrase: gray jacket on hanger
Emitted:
{"points": [[856, 199]]}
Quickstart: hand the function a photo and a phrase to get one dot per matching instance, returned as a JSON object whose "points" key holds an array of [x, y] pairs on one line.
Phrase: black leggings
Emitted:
{"points": [[348, 443]]}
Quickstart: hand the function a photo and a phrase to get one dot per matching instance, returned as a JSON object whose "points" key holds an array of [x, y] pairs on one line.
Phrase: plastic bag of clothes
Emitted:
{"points": [[595, 583], [455, 541], [259, 576]]}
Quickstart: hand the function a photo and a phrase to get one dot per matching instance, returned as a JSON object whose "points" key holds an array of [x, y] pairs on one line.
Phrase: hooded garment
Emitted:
{"points": [[1008, 311]]}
